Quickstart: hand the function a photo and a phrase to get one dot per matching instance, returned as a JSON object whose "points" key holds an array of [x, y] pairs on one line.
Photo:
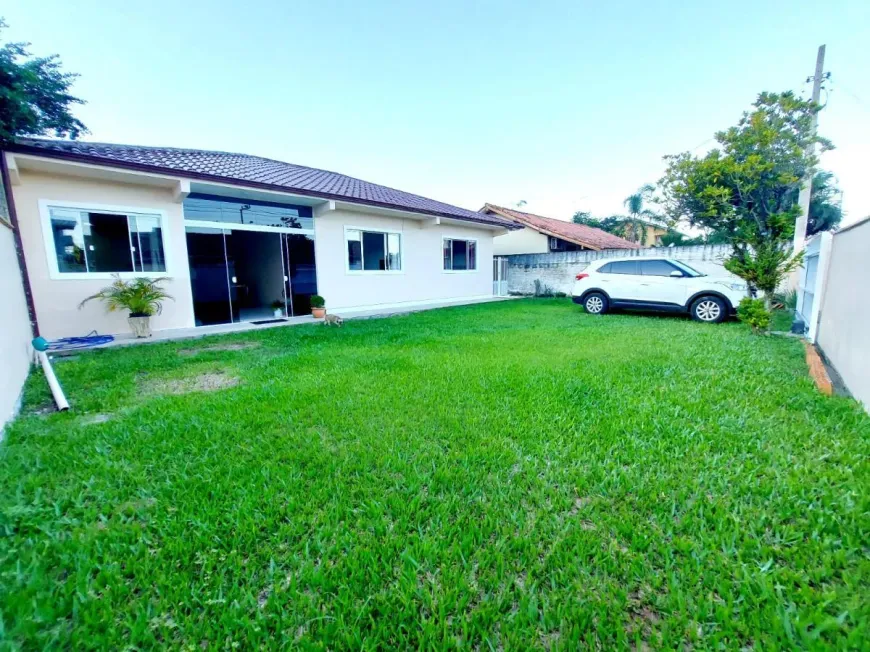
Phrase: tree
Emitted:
{"points": [[635, 223], [34, 95], [825, 213], [585, 218], [741, 188]]}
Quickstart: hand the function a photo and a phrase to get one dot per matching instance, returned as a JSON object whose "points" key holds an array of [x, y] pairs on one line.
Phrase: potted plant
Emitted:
{"points": [[317, 306], [278, 308], [142, 297]]}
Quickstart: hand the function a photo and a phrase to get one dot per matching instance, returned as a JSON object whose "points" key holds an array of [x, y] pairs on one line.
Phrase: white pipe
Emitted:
{"points": [[56, 389]]}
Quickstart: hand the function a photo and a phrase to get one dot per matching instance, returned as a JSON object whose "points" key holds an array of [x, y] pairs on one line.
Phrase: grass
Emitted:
{"points": [[503, 476]]}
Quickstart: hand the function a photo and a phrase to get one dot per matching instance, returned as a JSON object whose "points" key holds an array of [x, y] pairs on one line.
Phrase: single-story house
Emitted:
{"points": [[541, 235], [237, 236]]}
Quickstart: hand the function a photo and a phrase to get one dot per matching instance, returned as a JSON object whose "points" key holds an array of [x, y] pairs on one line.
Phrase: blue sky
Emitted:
{"points": [[567, 106]]}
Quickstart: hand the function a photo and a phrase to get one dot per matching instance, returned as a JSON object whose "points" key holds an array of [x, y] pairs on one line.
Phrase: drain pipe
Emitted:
{"points": [[40, 345]]}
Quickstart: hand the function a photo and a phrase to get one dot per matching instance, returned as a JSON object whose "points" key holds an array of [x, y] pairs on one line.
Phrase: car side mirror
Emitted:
{"points": [[676, 274]]}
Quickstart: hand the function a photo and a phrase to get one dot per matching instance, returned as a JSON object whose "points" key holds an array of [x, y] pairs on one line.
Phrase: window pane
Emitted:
{"points": [[656, 268], [606, 269], [147, 237], [448, 256], [354, 250], [624, 267], [215, 209], [394, 257], [107, 242], [460, 260], [374, 251], [472, 255], [69, 243]]}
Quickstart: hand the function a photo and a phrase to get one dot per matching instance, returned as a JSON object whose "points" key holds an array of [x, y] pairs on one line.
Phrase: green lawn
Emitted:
{"points": [[500, 476]]}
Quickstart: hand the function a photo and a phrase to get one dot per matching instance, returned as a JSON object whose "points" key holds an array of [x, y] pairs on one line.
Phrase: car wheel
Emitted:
{"points": [[595, 303], [709, 309]]}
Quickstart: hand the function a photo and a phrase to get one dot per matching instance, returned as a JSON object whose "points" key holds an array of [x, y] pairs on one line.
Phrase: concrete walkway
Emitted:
{"points": [[171, 334]]}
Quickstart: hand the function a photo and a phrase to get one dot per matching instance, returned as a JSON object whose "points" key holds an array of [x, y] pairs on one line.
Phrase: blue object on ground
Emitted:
{"points": [[67, 343]]}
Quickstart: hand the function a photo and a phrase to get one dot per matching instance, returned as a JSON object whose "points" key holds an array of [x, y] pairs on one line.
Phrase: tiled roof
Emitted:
{"points": [[586, 236], [252, 171]]}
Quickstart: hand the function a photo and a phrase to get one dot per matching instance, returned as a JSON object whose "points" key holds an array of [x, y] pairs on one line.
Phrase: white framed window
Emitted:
{"points": [[460, 255], [373, 251], [96, 241]]}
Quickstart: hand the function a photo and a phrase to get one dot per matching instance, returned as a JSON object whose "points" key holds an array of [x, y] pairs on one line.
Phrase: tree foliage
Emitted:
{"points": [[34, 95], [742, 188], [825, 212]]}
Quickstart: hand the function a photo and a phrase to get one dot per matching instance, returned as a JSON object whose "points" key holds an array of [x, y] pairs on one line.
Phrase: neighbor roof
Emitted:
{"points": [[250, 171], [585, 236]]}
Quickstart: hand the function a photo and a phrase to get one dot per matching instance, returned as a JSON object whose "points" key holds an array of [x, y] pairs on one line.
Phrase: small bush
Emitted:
{"points": [[785, 300], [542, 289], [754, 313], [317, 301]]}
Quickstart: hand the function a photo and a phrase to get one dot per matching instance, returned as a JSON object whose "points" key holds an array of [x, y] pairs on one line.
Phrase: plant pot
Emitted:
{"points": [[319, 313], [278, 313], [141, 326]]}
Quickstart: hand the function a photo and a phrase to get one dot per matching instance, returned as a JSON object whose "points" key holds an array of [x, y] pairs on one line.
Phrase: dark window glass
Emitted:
{"points": [[106, 242], [354, 250], [605, 269], [208, 208], [147, 238], [460, 255], [656, 268], [624, 267], [374, 251]]}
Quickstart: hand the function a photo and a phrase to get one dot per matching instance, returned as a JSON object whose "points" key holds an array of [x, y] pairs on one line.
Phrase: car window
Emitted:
{"points": [[624, 267], [605, 269], [656, 268]]}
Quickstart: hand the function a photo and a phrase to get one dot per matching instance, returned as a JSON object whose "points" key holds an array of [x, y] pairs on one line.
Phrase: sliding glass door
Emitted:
{"points": [[244, 275]]}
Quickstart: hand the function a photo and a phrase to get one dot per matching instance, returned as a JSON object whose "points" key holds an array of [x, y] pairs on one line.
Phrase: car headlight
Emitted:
{"points": [[737, 287]]}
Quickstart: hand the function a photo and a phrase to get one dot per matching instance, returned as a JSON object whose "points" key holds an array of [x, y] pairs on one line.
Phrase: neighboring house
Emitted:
{"points": [[654, 233], [543, 234], [234, 234]]}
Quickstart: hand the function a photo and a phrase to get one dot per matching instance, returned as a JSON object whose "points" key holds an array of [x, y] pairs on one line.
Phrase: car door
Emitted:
{"points": [[620, 280], [657, 285]]}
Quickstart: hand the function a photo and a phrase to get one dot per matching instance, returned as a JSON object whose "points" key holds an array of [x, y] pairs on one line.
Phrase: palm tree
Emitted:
{"points": [[638, 215]]}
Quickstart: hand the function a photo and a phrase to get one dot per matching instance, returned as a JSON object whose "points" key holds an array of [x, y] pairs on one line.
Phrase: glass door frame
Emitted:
{"points": [[223, 227]]}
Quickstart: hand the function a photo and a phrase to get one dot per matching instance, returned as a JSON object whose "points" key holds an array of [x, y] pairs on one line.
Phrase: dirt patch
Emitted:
{"points": [[231, 346], [205, 382], [90, 419]]}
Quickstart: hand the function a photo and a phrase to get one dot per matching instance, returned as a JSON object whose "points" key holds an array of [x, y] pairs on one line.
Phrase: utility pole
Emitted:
{"points": [[800, 226]]}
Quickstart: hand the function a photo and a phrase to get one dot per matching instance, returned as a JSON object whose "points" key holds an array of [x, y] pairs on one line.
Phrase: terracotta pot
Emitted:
{"points": [[141, 326], [319, 313]]}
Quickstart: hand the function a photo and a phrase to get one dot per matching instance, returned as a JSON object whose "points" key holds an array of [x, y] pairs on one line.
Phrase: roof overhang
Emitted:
{"points": [[22, 157]]}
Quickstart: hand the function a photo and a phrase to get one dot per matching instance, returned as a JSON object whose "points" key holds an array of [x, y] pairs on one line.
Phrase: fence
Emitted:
{"points": [[556, 270], [839, 311]]}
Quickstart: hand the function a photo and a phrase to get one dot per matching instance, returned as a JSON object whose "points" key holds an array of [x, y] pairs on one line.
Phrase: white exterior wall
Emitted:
{"points": [[523, 241], [15, 332], [422, 277], [844, 328], [57, 300]]}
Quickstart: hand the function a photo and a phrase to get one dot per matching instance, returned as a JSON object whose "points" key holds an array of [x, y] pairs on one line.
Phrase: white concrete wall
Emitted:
{"points": [[15, 334], [422, 277], [844, 329], [557, 270], [523, 241], [57, 300]]}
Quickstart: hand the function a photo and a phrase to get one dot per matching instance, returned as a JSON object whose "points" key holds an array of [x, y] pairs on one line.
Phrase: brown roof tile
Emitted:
{"points": [[586, 236]]}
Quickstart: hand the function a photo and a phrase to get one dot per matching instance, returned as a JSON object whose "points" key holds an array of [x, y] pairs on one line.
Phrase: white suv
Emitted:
{"points": [[660, 284]]}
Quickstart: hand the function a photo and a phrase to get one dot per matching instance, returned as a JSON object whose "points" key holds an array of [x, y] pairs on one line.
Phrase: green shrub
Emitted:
{"points": [[754, 313], [143, 297], [785, 300], [317, 301]]}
